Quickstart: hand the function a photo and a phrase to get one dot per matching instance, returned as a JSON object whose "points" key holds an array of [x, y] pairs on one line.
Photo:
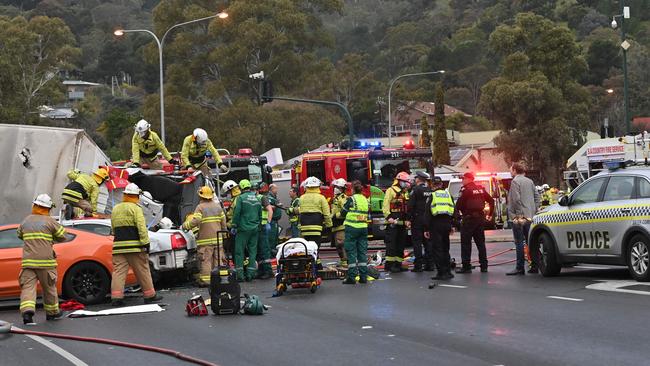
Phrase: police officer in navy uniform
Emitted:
{"points": [[417, 209], [470, 209], [437, 225]]}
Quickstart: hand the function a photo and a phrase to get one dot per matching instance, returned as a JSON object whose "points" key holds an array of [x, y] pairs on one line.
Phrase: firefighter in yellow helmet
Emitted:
{"points": [[130, 247], [314, 213], [193, 153], [83, 191], [145, 146], [39, 231], [394, 208], [210, 219]]}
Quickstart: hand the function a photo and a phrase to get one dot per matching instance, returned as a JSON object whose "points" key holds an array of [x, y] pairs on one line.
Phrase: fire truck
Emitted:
{"points": [[497, 185], [371, 164]]}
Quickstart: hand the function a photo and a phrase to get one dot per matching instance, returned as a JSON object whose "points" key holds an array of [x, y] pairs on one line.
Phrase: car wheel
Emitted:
{"points": [[87, 283], [548, 264], [638, 258]]}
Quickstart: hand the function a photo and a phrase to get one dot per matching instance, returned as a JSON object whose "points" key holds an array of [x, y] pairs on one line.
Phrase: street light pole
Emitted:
{"points": [[390, 90], [625, 14], [161, 44]]}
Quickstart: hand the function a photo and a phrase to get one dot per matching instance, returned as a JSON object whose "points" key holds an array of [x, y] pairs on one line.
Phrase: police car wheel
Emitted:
{"points": [[638, 258], [548, 264]]}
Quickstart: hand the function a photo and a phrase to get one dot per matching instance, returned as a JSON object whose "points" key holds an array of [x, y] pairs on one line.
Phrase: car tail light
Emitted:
{"points": [[178, 241]]}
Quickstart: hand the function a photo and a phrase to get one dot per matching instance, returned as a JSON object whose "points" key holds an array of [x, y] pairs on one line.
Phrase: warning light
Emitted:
{"points": [[409, 145], [246, 151]]}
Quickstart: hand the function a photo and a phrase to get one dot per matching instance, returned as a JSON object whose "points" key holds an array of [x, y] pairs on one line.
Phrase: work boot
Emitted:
{"points": [[363, 280], [56, 316], [349, 281], [116, 303], [484, 269], [464, 269], [516, 272], [28, 318], [152, 300]]}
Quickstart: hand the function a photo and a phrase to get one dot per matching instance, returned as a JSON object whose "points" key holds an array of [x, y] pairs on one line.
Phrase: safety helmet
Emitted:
{"points": [[263, 187], [545, 186], [339, 183], [403, 176], [244, 184], [312, 182], [43, 200], [102, 174], [206, 192], [228, 185], [200, 136], [132, 188], [142, 127], [166, 223], [554, 190]]}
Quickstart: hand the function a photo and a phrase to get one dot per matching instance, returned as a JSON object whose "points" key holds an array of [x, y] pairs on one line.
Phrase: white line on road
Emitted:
{"points": [[452, 286], [63, 353], [616, 286], [564, 298]]}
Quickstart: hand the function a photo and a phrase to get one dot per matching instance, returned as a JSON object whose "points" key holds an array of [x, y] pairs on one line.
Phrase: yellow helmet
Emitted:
{"points": [[206, 192], [102, 174]]}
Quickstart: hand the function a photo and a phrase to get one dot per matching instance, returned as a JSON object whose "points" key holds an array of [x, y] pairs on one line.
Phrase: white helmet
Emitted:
{"points": [[546, 186], [312, 182], [339, 183], [43, 200], [200, 136], [166, 223], [142, 127], [132, 188], [228, 185]]}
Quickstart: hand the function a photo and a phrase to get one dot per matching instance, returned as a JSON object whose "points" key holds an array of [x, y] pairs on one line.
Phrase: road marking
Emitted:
{"points": [[367, 327], [564, 298], [452, 286], [616, 286], [591, 267], [63, 353]]}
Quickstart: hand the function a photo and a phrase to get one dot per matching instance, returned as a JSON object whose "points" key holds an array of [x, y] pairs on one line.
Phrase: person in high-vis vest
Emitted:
{"points": [[394, 208], [294, 212], [245, 226], [194, 149], [314, 213], [83, 191], [275, 218], [145, 146], [356, 210], [232, 191], [130, 247], [438, 227], [39, 231], [338, 217], [210, 219], [264, 268]]}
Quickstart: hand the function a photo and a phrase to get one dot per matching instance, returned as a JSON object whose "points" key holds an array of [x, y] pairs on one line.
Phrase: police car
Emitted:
{"points": [[606, 220]]}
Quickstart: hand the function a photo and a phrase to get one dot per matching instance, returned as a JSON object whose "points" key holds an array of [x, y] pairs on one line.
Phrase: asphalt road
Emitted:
{"points": [[485, 319]]}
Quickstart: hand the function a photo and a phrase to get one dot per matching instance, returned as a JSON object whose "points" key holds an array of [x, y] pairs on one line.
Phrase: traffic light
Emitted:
{"points": [[267, 91]]}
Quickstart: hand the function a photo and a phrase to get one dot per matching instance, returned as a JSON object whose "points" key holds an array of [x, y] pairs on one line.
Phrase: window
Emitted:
{"points": [[98, 229], [255, 174], [588, 192], [357, 170], [619, 188], [644, 188], [316, 168], [9, 239]]}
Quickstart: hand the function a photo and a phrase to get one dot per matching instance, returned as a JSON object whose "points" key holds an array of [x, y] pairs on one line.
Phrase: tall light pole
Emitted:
{"points": [[390, 90], [161, 43], [625, 14]]}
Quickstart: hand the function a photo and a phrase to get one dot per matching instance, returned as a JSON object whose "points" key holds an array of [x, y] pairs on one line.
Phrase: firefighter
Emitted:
{"points": [[294, 212], [470, 207], [314, 213], [438, 227], [193, 153], [417, 209], [395, 209], [83, 192], [130, 247], [145, 146], [210, 219], [231, 189], [338, 217], [39, 231], [356, 210], [275, 217], [265, 271], [245, 225], [547, 196]]}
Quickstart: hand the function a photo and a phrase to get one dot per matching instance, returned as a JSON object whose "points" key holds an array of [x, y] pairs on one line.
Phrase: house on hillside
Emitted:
{"points": [[76, 89], [405, 120]]}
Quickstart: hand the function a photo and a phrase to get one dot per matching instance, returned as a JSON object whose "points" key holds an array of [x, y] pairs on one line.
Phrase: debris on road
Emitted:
{"points": [[138, 309]]}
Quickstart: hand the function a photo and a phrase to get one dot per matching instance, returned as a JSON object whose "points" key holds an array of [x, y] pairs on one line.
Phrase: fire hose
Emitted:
{"points": [[7, 328]]}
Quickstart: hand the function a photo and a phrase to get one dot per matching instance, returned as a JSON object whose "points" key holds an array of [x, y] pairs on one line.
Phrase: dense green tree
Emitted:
{"points": [[440, 143]]}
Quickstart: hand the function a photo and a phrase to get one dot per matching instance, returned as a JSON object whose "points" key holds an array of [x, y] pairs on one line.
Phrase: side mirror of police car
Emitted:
{"points": [[564, 201]]}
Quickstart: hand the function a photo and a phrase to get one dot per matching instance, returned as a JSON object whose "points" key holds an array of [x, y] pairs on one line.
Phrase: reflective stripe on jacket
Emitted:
{"points": [[442, 203], [357, 214], [338, 217], [129, 229], [84, 187], [148, 147], [314, 212], [194, 154], [39, 232], [210, 219]]}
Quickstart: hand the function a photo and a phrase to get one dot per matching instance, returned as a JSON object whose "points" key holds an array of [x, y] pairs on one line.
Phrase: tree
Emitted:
{"points": [[440, 143], [602, 55], [425, 136]]}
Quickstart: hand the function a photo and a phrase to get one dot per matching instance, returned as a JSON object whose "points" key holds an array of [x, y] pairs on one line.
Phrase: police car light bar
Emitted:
{"points": [[367, 144]]}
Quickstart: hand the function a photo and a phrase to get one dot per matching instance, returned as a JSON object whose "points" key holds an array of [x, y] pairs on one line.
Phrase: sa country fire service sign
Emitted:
{"points": [[608, 152]]}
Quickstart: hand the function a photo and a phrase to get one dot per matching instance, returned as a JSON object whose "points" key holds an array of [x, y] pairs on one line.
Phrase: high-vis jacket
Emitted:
{"points": [[314, 212], [147, 147], [356, 212], [293, 210], [130, 233], [83, 188], [248, 213], [395, 204], [338, 216], [209, 218], [194, 154], [39, 232], [230, 212], [442, 203]]}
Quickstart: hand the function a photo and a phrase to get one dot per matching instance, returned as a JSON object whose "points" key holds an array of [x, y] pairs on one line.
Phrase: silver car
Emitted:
{"points": [[606, 220]]}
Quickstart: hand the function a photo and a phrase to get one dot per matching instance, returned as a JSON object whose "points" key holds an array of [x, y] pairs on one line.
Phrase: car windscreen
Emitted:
{"points": [[385, 170]]}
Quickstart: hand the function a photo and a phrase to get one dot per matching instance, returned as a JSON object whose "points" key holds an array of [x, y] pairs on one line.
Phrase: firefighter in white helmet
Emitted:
{"points": [[314, 212], [193, 153], [39, 231], [145, 146], [338, 217]]}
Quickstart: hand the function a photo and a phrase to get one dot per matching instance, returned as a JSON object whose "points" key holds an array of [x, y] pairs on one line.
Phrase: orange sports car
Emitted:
{"points": [[84, 265]]}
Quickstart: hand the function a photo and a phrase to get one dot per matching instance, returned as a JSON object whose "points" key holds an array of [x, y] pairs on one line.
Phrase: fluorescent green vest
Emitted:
{"points": [[265, 213], [441, 203], [357, 216]]}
